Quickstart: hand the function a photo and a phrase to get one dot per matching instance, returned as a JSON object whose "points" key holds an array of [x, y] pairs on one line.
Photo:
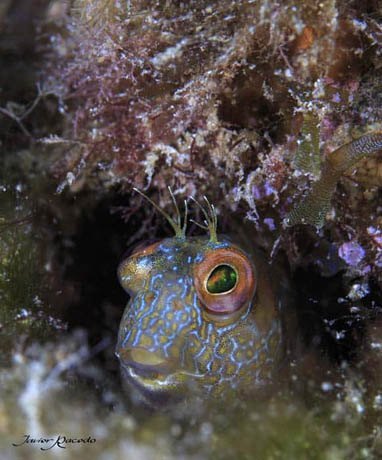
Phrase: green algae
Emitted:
{"points": [[307, 157], [316, 204], [38, 397], [23, 312]]}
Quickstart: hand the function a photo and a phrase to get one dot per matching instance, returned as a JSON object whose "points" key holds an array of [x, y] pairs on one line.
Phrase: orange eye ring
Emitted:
{"points": [[242, 290]]}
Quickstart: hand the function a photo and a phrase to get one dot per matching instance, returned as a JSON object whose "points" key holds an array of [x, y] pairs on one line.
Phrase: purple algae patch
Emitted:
{"points": [[352, 253]]}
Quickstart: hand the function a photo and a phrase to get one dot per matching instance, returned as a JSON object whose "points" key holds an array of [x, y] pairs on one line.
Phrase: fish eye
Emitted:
{"points": [[225, 280], [222, 279]]}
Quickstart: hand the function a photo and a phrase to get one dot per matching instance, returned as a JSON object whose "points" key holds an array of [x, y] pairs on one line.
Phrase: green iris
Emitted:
{"points": [[222, 279]]}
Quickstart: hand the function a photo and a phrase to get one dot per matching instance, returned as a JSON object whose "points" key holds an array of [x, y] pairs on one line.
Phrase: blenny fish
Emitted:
{"points": [[203, 312], [202, 316]]}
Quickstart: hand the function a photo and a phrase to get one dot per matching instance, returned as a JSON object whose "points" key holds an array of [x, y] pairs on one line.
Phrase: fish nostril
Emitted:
{"points": [[144, 361]]}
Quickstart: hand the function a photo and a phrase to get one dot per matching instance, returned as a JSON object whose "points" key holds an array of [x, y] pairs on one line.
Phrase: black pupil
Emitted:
{"points": [[222, 279]]}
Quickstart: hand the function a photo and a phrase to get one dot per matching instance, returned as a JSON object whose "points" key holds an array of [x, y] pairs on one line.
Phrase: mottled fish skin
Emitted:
{"points": [[169, 340]]}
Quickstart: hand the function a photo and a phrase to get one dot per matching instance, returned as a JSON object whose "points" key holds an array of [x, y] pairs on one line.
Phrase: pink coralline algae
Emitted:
{"points": [[352, 253], [242, 101]]}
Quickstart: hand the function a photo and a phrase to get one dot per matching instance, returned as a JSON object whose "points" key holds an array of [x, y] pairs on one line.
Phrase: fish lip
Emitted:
{"points": [[170, 386], [168, 380]]}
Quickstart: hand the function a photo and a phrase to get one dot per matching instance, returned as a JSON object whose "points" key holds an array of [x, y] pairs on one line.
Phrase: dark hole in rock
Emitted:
{"points": [[90, 249], [326, 322], [98, 245], [94, 252]]}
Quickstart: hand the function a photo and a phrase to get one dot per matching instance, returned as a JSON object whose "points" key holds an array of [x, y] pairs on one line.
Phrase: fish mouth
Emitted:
{"points": [[155, 389]]}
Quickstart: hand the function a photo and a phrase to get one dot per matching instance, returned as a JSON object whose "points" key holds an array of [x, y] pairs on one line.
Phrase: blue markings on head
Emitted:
{"points": [[169, 249], [198, 258], [168, 317], [218, 244]]}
